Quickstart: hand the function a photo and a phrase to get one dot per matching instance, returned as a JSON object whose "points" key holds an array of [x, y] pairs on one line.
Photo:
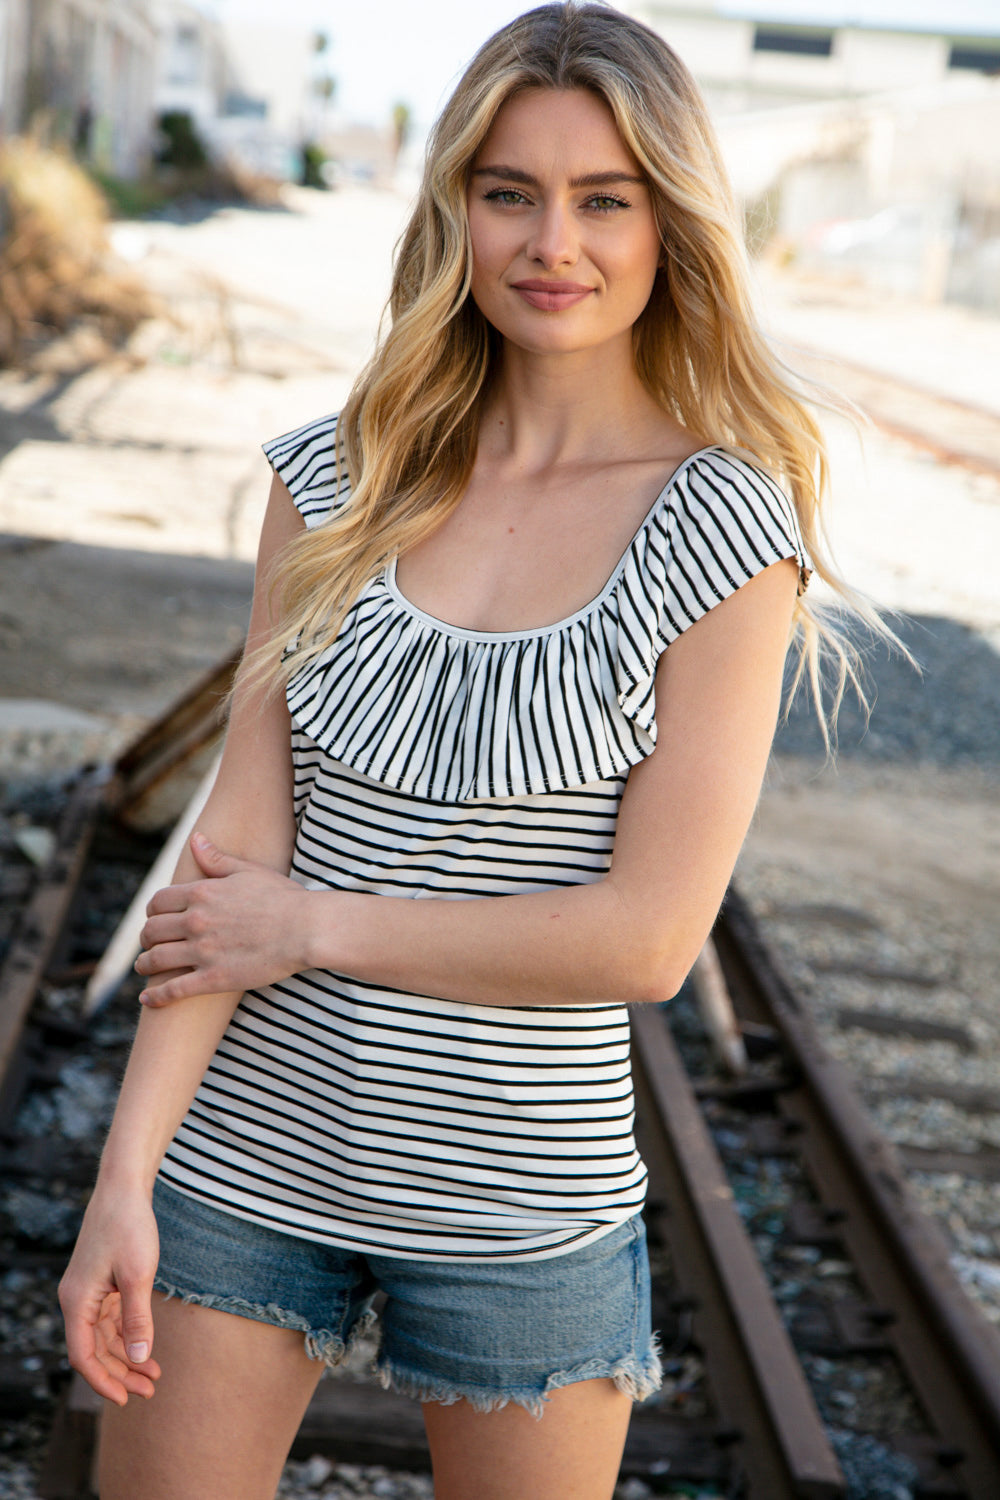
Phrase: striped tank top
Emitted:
{"points": [[438, 763]]}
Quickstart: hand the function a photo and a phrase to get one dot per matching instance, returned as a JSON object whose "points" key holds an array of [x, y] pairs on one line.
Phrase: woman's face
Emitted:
{"points": [[565, 246]]}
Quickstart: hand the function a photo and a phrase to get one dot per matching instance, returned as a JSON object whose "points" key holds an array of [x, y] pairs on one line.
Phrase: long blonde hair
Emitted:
{"points": [[408, 433]]}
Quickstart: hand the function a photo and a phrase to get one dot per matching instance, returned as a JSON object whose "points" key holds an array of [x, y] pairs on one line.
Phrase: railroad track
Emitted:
{"points": [[950, 431], [741, 1413]]}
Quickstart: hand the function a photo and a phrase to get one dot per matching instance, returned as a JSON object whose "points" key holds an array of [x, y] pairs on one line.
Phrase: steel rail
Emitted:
{"points": [[950, 1353], [42, 922], [950, 430], [756, 1379], [155, 776], [765, 1416]]}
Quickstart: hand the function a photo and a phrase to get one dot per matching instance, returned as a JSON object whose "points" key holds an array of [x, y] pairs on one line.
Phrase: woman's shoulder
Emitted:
{"points": [[310, 462], [710, 484], [722, 509], [720, 519], [715, 474]]}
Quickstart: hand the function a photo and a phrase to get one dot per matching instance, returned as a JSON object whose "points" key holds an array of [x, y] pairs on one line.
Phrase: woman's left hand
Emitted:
{"points": [[239, 928]]}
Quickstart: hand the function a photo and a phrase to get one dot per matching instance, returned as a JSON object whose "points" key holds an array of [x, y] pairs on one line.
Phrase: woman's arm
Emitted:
{"points": [[631, 936], [106, 1290]]}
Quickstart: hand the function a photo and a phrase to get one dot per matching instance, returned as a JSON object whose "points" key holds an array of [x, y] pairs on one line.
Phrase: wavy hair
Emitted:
{"points": [[408, 433]]}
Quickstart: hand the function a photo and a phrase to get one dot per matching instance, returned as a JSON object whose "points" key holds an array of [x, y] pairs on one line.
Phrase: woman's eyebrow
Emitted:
{"points": [[591, 179]]}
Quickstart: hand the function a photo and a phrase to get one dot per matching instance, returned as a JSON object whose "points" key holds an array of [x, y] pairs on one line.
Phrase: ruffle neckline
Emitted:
{"points": [[494, 636], [448, 714]]}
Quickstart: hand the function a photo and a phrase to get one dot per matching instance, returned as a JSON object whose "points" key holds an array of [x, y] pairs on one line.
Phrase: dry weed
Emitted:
{"points": [[55, 265]]}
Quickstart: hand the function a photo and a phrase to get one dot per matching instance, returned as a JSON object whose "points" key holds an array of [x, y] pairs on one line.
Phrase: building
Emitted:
{"points": [[81, 71], [870, 149], [96, 74], [750, 56], [192, 75], [250, 88], [13, 68]]}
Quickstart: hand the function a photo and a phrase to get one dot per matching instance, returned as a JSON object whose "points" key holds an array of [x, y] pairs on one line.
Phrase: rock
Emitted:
{"points": [[315, 1471]]}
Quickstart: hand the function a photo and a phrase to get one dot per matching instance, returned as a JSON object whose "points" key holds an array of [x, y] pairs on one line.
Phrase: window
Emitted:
{"points": [[976, 59], [811, 43], [184, 59]]}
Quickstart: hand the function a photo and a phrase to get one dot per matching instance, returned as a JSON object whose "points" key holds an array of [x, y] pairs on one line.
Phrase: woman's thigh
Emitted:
{"points": [[224, 1415], [527, 1369], [572, 1452], [245, 1319]]}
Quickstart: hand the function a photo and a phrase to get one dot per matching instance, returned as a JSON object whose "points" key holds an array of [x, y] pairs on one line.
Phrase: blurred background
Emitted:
{"points": [[198, 205]]}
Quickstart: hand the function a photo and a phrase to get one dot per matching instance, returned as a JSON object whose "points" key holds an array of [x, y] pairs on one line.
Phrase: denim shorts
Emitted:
{"points": [[450, 1330]]}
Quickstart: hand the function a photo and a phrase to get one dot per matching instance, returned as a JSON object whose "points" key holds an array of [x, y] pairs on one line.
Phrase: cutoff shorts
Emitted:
{"points": [[450, 1330]]}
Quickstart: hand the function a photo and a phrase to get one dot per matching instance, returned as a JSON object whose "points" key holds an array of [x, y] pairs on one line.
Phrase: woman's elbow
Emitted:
{"points": [[654, 957], [656, 974]]}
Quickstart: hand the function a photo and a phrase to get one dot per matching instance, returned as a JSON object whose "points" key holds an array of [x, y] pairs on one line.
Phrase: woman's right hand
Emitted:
{"points": [[105, 1296]]}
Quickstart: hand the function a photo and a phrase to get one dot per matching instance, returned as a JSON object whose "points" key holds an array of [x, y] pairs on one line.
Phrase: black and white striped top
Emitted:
{"points": [[437, 762]]}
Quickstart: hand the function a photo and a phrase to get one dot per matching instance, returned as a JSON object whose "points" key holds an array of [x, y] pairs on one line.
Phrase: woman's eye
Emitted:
{"points": [[606, 203], [509, 197]]}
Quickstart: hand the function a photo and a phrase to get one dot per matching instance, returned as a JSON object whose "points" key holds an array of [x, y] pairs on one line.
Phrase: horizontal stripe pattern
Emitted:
{"points": [[358, 1115], [432, 762]]}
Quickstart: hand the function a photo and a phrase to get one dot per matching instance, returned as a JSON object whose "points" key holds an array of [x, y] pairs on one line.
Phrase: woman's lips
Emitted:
{"points": [[552, 296]]}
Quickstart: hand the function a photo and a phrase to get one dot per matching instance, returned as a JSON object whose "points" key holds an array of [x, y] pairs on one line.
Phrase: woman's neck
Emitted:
{"points": [[549, 410]]}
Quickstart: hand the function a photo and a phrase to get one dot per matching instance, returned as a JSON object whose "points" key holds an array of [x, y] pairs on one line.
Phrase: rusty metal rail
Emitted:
{"points": [[145, 788], [41, 923], [950, 431], [763, 1438], [950, 1353], [775, 1436], [156, 775]]}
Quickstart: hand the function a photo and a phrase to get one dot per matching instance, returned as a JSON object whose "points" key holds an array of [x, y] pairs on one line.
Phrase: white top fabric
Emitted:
{"points": [[432, 761]]}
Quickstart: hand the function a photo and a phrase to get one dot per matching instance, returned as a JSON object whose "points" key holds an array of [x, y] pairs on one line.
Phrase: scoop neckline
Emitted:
{"points": [[534, 632]]}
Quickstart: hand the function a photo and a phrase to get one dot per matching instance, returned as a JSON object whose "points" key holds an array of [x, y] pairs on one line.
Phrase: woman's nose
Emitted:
{"points": [[553, 241]]}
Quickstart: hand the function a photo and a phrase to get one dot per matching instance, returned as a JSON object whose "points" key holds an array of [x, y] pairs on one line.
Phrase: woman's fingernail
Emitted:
{"points": [[138, 1353], [200, 840], [144, 998]]}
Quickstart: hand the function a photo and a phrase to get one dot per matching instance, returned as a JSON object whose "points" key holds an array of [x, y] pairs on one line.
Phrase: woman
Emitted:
{"points": [[501, 830]]}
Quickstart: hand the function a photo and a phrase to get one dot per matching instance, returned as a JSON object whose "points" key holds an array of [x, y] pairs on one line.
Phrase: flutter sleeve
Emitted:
{"points": [[722, 521], [306, 460]]}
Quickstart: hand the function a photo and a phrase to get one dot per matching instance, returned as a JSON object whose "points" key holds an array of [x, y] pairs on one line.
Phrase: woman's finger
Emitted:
{"points": [[170, 898], [215, 862], [169, 929], [164, 958], [85, 1348], [165, 989], [136, 1317], [167, 976], [137, 1377]]}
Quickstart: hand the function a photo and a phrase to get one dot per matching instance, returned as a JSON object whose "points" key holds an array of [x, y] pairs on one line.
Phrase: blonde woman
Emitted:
{"points": [[527, 603]]}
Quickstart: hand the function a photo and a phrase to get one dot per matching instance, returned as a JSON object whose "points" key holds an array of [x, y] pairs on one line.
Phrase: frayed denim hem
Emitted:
{"points": [[321, 1343], [423, 1388], [634, 1377]]}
